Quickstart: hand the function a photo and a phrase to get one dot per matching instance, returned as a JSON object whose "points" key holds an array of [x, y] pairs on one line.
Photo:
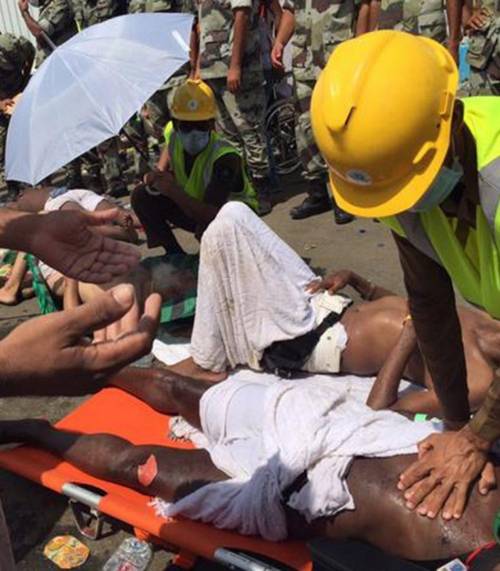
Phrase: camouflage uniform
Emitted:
{"points": [[57, 20], [320, 25], [16, 60], [422, 17], [241, 115], [484, 52], [157, 107], [89, 13]]}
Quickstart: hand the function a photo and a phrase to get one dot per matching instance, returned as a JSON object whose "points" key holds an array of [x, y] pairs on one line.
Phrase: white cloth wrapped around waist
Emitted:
{"points": [[264, 433]]}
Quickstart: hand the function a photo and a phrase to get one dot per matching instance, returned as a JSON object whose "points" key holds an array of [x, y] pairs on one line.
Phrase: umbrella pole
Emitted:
{"points": [[48, 41], [138, 149]]}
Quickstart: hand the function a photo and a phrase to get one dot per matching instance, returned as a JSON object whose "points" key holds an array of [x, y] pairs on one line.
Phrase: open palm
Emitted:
{"points": [[66, 241]]}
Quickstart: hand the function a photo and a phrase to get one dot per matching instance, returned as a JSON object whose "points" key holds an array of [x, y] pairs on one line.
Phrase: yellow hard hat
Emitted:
{"points": [[194, 101], [381, 114]]}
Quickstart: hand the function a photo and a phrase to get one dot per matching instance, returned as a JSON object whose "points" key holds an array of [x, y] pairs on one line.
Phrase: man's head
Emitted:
{"points": [[382, 115], [193, 111]]}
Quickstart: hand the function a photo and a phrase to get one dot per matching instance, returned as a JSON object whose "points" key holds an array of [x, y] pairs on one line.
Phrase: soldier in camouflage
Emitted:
{"points": [[483, 29], [422, 17], [56, 22], [155, 114], [230, 62], [320, 26], [16, 60], [87, 13]]}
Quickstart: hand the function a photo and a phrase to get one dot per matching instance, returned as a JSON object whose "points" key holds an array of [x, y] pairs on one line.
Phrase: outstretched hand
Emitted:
{"points": [[45, 354], [332, 283], [65, 240], [440, 479]]}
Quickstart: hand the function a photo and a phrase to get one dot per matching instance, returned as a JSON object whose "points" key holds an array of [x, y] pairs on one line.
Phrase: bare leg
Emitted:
{"points": [[170, 473], [188, 368], [164, 391], [9, 293]]}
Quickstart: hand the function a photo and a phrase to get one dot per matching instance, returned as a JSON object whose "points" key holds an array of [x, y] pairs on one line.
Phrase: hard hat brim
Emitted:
{"points": [[391, 199]]}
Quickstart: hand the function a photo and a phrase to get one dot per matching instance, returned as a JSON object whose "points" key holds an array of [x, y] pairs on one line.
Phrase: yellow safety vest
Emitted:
{"points": [[474, 267], [195, 185]]}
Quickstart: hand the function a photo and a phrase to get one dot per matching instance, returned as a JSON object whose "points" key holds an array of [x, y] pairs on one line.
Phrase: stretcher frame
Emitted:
{"points": [[92, 500]]}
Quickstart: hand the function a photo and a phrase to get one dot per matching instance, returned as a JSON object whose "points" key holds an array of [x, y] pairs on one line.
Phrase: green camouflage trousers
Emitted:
{"points": [[241, 118], [313, 165], [484, 58]]}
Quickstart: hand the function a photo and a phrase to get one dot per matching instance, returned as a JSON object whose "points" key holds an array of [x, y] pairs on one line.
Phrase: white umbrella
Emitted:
{"points": [[89, 87]]}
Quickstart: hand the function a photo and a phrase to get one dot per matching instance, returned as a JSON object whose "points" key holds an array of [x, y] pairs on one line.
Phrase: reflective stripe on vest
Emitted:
{"points": [[195, 185], [475, 267]]}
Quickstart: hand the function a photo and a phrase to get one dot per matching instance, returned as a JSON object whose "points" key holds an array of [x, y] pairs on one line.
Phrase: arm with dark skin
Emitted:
{"points": [[32, 25], [384, 393], [284, 32], [454, 9], [343, 278], [227, 178], [448, 463], [240, 27]]}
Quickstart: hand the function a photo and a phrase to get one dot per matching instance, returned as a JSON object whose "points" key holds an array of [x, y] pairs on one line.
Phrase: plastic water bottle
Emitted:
{"points": [[132, 555]]}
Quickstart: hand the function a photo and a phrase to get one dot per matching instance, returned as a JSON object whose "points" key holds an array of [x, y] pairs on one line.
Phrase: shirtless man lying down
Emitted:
{"points": [[170, 474], [162, 278], [254, 291]]}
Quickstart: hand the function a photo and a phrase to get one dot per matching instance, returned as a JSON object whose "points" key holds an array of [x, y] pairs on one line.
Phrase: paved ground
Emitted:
{"points": [[35, 515]]}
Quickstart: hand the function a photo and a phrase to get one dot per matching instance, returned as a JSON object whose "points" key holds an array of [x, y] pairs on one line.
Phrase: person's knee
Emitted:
{"points": [[232, 215], [140, 199]]}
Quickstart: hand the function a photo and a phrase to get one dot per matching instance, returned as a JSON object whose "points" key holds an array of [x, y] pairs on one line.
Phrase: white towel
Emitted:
{"points": [[251, 291], [264, 439]]}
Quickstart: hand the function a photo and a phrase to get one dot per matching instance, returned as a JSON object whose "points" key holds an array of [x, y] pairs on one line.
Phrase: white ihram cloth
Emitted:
{"points": [[251, 293], [264, 432]]}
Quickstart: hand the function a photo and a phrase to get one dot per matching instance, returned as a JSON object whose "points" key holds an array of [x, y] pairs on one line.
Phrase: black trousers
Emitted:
{"points": [[155, 213]]}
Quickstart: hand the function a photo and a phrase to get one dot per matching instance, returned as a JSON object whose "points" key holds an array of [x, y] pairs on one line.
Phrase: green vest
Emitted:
{"points": [[474, 267], [195, 185]]}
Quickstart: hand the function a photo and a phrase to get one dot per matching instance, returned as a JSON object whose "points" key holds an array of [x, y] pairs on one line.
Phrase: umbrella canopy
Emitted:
{"points": [[89, 87]]}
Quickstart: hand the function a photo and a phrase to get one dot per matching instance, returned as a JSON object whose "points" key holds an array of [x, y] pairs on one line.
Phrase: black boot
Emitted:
{"points": [[341, 216], [263, 189], [317, 201]]}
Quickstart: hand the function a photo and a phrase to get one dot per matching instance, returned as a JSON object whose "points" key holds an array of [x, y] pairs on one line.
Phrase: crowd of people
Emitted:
{"points": [[384, 130]]}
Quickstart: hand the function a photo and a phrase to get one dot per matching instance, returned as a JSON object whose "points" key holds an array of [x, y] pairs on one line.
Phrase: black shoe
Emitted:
{"points": [[265, 205], [310, 207], [118, 192], [341, 216]]}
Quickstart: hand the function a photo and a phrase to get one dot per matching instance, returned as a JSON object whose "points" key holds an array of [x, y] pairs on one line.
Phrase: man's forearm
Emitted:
{"points": [[486, 422], [431, 301], [240, 26], [368, 290], [286, 27], [454, 11], [32, 25], [384, 392], [198, 211]]}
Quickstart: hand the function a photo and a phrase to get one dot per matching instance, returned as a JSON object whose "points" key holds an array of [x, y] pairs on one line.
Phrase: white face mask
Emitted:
{"points": [[441, 187], [194, 141]]}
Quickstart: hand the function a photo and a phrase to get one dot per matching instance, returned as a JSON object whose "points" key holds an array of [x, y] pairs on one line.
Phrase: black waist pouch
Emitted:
{"points": [[286, 358]]}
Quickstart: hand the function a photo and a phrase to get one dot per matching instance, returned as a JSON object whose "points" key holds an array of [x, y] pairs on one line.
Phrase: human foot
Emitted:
{"points": [[9, 297], [188, 368]]}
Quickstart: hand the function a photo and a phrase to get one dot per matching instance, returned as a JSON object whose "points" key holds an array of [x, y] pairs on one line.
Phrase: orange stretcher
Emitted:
{"points": [[115, 412]]}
